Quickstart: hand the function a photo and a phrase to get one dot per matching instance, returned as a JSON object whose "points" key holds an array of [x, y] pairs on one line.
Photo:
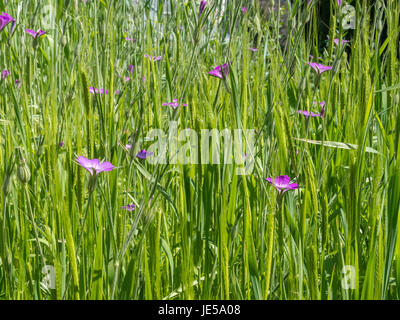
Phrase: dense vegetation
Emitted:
{"points": [[106, 72]]}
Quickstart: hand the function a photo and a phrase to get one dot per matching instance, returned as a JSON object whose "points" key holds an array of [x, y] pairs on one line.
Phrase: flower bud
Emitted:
{"points": [[6, 184], [202, 7], [380, 26], [92, 183], [63, 40], [23, 172]]}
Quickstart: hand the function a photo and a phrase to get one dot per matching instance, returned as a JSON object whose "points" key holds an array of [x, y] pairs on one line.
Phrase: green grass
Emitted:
{"points": [[198, 231]]}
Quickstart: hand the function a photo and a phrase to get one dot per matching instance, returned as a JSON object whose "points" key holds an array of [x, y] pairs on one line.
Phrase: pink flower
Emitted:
{"points": [[129, 207], [94, 166], [282, 183], [312, 114], [308, 113], [218, 73], [35, 34], [154, 58], [319, 68], [95, 90], [336, 41], [202, 7], [5, 73], [322, 104], [5, 19], [143, 154], [174, 104]]}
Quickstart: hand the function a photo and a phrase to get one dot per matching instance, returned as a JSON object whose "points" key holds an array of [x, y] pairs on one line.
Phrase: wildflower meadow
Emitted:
{"points": [[187, 150]]}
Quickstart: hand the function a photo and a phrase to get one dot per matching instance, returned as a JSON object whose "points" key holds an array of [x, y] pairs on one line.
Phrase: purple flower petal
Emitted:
{"points": [[35, 34], [5, 73], [5, 19], [130, 39], [154, 58], [217, 71], [40, 33], [31, 32], [308, 113], [157, 58], [282, 183], [95, 90], [336, 41], [104, 166], [304, 113], [85, 163], [319, 68], [202, 7], [174, 104], [143, 154], [293, 186], [94, 165], [322, 103], [129, 207]]}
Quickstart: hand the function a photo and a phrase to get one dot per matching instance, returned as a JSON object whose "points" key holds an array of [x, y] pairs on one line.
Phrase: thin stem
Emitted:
{"points": [[80, 240]]}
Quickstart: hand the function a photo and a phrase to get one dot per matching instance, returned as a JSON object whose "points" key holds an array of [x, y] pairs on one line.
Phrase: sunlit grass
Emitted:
{"points": [[198, 231]]}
